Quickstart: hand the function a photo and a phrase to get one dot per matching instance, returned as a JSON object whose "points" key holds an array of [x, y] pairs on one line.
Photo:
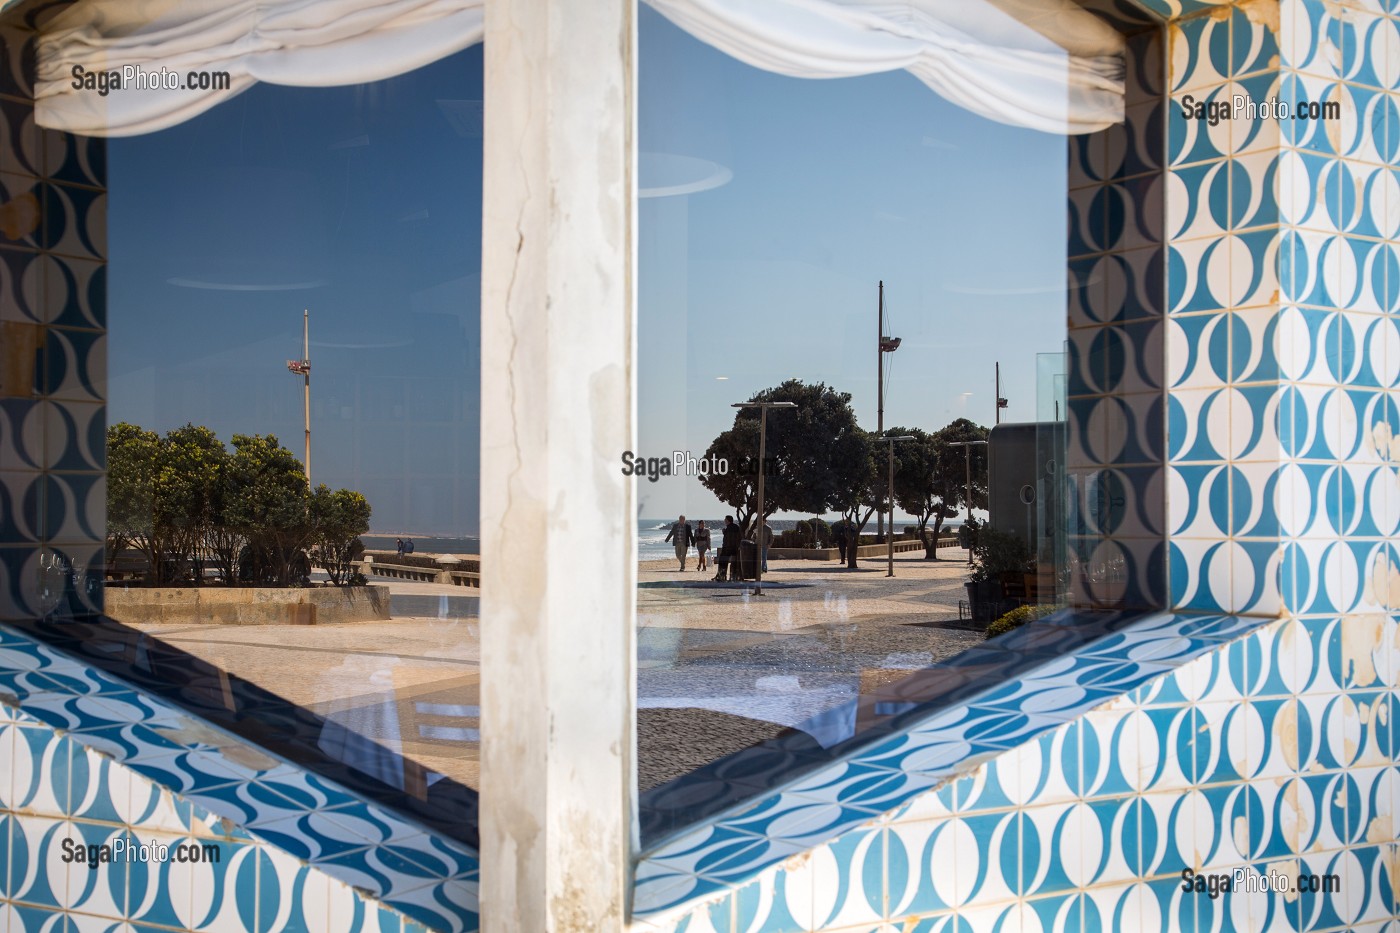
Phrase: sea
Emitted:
{"points": [[651, 537], [651, 534]]}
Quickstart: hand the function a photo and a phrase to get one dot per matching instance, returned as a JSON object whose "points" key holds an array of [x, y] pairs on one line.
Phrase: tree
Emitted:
{"points": [[803, 445], [856, 489], [131, 470], [183, 499], [270, 508], [930, 476], [337, 520], [737, 488], [189, 471], [222, 540]]}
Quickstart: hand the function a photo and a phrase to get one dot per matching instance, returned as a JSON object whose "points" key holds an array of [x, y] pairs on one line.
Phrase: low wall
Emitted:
{"points": [[252, 605], [865, 550]]}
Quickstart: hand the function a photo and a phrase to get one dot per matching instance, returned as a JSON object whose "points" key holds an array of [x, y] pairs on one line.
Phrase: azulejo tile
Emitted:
{"points": [[1200, 52], [433, 881], [1191, 137]]}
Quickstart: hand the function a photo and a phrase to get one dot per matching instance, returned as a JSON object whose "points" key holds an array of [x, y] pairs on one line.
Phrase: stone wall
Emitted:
{"points": [[253, 605]]}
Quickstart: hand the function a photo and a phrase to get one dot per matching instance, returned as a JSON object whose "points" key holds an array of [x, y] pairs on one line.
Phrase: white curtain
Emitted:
{"points": [[303, 43], [1043, 64]]}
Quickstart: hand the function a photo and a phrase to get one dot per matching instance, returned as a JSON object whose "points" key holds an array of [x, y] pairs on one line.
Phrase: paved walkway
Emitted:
{"points": [[719, 668]]}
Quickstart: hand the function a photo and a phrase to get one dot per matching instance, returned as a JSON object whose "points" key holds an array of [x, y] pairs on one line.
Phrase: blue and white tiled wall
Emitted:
{"points": [[1234, 332], [1274, 345], [1115, 461], [85, 758], [53, 274]]}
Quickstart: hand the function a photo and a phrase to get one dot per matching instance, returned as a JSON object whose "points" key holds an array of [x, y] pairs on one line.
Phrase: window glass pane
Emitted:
{"points": [[335, 624], [824, 244]]}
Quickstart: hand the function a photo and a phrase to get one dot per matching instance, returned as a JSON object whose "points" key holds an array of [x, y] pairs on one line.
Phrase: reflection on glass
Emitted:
{"points": [[793, 233], [293, 271]]}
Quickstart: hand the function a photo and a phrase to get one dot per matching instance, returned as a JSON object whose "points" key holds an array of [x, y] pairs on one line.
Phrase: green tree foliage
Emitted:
{"points": [[813, 453], [132, 454], [737, 488], [930, 480], [271, 510], [337, 520], [189, 469], [858, 487], [184, 502], [998, 552]]}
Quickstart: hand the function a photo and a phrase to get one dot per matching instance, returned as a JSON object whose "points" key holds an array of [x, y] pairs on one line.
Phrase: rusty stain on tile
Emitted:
{"points": [[1361, 639], [1261, 13], [1286, 733]]}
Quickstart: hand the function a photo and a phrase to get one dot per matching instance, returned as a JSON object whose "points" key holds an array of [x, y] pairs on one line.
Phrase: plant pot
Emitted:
{"points": [[983, 598]]}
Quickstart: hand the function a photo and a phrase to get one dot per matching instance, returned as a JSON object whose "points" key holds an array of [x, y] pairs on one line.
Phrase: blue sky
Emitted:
{"points": [[364, 205], [835, 186]]}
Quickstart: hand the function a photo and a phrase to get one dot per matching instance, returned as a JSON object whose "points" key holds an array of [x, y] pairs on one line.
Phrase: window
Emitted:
{"points": [[339, 226], [889, 269]]}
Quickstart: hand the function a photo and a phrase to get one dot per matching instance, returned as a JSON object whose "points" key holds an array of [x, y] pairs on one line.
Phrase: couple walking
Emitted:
{"points": [[685, 536], [727, 556]]}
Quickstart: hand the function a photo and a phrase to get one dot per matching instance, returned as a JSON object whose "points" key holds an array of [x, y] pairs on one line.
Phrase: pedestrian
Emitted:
{"points": [[683, 536], [408, 546], [728, 550], [763, 534], [702, 544], [838, 532], [398, 543]]}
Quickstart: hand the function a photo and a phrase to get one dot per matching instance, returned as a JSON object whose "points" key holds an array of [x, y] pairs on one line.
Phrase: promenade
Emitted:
{"points": [[718, 668]]}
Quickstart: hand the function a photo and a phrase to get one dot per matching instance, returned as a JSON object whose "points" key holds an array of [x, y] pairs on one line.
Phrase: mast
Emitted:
{"points": [[1001, 402], [306, 375], [880, 394]]}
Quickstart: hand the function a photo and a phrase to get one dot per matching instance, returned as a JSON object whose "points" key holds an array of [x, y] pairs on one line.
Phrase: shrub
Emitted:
{"points": [[998, 552], [1020, 616]]}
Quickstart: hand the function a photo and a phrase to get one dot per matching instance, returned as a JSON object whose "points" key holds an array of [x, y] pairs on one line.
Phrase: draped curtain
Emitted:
{"points": [[1042, 64]]}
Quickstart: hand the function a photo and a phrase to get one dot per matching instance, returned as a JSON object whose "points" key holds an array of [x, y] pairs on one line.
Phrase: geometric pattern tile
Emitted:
{"points": [[1009, 751], [85, 759], [1245, 760]]}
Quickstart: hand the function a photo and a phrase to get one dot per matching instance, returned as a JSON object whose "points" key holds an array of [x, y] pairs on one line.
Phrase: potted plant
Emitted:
{"points": [[994, 554]]}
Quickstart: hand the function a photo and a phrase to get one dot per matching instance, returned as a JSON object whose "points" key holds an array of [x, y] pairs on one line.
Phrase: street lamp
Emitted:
{"points": [[967, 450], [889, 538], [762, 455]]}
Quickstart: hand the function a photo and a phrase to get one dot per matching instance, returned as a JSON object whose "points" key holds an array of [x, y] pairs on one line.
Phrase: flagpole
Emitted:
{"points": [[306, 360]]}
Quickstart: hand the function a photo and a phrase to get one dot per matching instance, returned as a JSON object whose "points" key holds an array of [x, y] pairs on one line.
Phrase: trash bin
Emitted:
{"points": [[748, 560]]}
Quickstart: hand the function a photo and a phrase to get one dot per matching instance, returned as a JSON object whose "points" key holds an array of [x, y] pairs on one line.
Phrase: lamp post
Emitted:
{"points": [[887, 345], [889, 539], [967, 451], [762, 455]]}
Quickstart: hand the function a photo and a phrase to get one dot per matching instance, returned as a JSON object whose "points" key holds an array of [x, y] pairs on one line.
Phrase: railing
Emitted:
{"points": [[377, 568]]}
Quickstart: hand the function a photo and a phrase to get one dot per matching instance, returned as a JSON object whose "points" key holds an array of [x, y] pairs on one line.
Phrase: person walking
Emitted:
{"points": [[684, 537], [398, 542], [838, 532], [702, 544], [728, 550], [764, 536]]}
